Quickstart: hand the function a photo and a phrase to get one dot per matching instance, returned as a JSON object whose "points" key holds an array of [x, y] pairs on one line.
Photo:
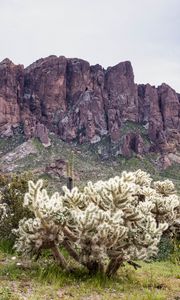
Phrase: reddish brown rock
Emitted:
{"points": [[170, 106], [11, 91], [170, 109], [57, 168], [139, 146], [122, 97], [44, 97], [78, 79], [165, 162], [149, 111], [86, 116], [82, 103], [41, 132], [159, 110], [132, 142]]}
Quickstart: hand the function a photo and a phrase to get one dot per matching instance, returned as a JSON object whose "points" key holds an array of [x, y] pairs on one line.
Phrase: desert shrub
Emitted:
{"points": [[103, 226], [166, 248], [13, 188], [3, 212], [169, 249], [169, 246], [175, 255]]}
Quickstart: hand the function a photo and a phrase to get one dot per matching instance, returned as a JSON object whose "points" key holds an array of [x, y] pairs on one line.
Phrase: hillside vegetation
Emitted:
{"points": [[87, 163]]}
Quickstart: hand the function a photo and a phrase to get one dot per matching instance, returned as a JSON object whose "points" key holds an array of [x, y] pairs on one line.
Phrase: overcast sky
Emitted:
{"points": [[146, 32]]}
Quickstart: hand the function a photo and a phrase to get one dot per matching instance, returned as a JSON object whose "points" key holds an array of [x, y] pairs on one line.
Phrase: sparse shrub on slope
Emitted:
{"points": [[103, 226]]}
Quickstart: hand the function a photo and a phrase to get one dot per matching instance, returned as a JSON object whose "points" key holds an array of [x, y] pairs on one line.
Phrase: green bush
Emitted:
{"points": [[13, 188], [165, 248], [169, 248], [175, 255]]}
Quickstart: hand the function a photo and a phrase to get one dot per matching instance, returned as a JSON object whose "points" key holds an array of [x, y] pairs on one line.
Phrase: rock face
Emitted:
{"points": [[11, 92], [83, 103], [41, 132], [132, 142], [159, 110]]}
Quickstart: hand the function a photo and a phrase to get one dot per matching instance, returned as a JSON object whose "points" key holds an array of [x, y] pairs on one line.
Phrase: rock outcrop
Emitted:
{"points": [[83, 103], [132, 142], [159, 110], [11, 93]]}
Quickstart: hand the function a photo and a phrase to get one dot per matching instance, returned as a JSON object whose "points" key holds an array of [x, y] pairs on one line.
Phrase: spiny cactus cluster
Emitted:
{"points": [[106, 224]]}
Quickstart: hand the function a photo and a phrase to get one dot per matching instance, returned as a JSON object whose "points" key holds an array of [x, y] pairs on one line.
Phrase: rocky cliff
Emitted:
{"points": [[84, 103]]}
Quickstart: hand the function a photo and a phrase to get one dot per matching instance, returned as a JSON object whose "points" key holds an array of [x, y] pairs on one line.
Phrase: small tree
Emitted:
{"points": [[103, 226]]}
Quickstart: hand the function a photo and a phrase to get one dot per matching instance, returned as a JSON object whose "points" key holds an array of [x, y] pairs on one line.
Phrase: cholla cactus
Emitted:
{"points": [[107, 223], [44, 231]]}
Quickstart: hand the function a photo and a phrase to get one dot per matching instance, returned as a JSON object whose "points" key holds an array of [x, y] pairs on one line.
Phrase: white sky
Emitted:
{"points": [[146, 32]]}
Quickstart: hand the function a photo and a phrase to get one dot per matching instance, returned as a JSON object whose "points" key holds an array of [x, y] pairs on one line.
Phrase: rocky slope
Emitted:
{"points": [[86, 103]]}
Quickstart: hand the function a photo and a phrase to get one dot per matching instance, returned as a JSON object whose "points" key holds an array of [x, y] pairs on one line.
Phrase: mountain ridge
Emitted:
{"points": [[85, 103]]}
